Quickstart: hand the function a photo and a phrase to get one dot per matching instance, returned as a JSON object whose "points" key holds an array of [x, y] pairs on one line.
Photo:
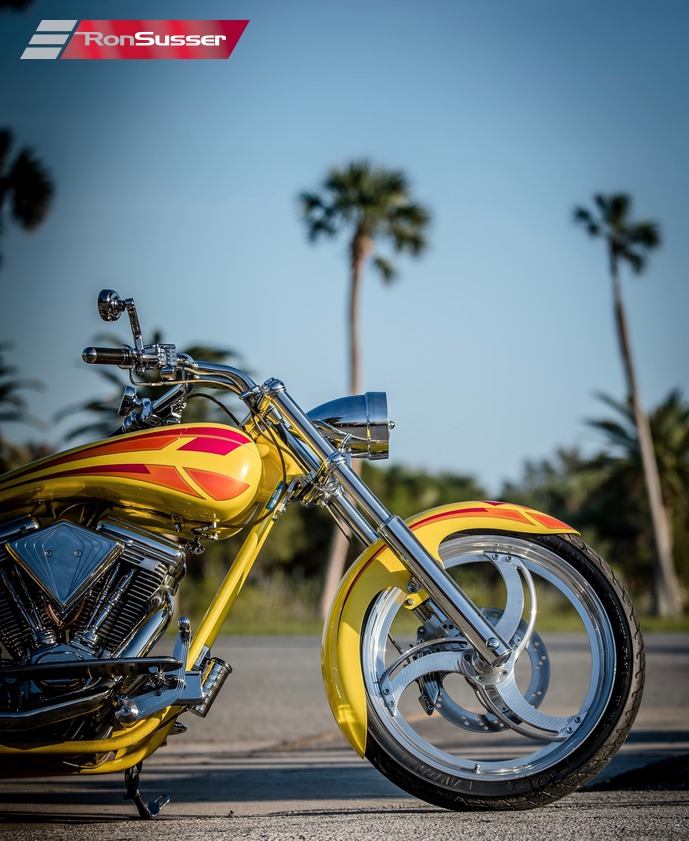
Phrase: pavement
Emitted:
{"points": [[268, 762]]}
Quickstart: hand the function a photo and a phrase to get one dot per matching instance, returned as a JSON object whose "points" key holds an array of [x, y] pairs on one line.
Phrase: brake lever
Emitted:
{"points": [[143, 413]]}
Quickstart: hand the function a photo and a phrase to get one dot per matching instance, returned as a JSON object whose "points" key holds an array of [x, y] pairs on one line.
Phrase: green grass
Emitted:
{"points": [[274, 628], [654, 625], [546, 622], [279, 605]]}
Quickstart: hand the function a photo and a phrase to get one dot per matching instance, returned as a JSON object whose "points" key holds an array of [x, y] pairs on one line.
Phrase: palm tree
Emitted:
{"points": [[622, 466], [628, 242], [670, 425], [14, 5], [13, 409], [26, 189], [371, 204]]}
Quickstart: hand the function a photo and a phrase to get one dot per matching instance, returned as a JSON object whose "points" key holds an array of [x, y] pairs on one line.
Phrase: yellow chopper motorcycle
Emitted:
{"points": [[448, 698]]}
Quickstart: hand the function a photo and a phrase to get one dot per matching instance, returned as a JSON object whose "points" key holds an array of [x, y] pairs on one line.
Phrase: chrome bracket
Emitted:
{"points": [[181, 688]]}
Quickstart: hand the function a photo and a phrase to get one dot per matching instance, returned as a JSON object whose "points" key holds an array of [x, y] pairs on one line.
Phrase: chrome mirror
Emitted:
{"points": [[110, 305], [358, 424]]}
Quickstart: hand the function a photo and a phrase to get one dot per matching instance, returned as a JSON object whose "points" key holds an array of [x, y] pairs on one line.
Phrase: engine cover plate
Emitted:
{"points": [[64, 560]]}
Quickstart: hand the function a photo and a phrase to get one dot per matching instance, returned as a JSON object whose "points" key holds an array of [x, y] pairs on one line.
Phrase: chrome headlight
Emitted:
{"points": [[357, 424]]}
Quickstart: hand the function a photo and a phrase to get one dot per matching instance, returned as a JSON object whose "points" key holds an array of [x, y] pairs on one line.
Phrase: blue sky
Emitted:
{"points": [[177, 184]]}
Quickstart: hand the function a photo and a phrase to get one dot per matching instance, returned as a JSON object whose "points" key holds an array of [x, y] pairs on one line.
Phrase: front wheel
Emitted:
{"points": [[450, 730]]}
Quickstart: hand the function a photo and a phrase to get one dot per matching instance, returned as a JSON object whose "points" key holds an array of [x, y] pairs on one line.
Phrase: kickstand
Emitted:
{"points": [[131, 781]]}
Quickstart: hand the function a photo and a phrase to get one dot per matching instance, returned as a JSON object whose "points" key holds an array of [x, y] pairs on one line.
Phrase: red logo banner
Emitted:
{"points": [[154, 39]]}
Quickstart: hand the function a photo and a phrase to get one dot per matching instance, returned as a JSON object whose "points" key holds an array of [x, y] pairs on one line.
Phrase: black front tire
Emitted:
{"points": [[433, 759]]}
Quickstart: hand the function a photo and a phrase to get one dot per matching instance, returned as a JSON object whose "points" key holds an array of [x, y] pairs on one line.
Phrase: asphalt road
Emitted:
{"points": [[268, 763]]}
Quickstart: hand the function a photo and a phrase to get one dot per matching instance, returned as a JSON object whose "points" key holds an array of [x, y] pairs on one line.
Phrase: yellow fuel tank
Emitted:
{"points": [[175, 477]]}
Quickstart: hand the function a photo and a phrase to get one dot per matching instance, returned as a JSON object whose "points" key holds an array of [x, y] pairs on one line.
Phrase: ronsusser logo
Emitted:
{"points": [[135, 39]]}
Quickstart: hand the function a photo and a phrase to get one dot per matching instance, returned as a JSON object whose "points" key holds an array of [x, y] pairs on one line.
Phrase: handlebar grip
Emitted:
{"points": [[107, 356]]}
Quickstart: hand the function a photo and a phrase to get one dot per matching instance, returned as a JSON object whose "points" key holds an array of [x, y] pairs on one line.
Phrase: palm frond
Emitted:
{"points": [[13, 407], [104, 407], [583, 217], [374, 201], [619, 209], [92, 431], [621, 407], [318, 215], [603, 204], [9, 416], [645, 234], [385, 268], [636, 260], [31, 188], [211, 353], [627, 240], [408, 240], [320, 227], [6, 139], [15, 5]]}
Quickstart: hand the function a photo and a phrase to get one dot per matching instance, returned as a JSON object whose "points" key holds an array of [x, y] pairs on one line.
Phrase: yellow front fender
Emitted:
{"points": [[378, 569]]}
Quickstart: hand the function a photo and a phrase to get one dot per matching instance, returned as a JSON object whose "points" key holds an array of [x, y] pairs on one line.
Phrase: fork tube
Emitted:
{"points": [[348, 518], [395, 533]]}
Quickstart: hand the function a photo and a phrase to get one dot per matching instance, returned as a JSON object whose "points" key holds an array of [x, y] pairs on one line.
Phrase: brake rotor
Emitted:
{"points": [[459, 715]]}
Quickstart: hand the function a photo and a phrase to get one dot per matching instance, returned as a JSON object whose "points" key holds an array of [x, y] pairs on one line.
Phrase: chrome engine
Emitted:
{"points": [[80, 609]]}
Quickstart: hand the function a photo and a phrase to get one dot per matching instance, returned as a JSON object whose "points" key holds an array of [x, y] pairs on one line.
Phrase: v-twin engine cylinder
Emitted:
{"points": [[75, 595]]}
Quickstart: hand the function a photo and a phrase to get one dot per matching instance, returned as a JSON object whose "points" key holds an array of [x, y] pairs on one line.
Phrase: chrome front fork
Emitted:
{"points": [[370, 521]]}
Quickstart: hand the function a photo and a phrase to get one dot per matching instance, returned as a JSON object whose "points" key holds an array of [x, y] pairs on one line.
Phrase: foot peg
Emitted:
{"points": [[131, 782]]}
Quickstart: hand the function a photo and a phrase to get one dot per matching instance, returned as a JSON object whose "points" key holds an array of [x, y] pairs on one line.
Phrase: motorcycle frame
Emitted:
{"points": [[307, 455]]}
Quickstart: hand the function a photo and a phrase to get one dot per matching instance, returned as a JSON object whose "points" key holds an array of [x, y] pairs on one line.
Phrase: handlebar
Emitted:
{"points": [[172, 366], [161, 357], [107, 356]]}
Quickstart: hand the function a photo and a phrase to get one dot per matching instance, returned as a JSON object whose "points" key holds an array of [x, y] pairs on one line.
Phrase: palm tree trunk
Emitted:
{"points": [[353, 324], [666, 592], [339, 547]]}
